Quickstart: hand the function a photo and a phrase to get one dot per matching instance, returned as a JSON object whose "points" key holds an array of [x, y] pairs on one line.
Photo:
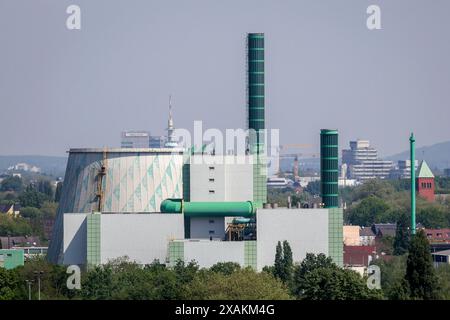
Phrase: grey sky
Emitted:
{"points": [[61, 89]]}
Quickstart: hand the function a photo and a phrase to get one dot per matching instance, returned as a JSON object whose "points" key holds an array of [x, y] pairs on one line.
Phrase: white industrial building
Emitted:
{"points": [[198, 229]]}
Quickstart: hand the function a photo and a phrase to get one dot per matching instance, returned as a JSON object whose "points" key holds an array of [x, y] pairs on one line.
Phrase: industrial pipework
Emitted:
{"points": [[209, 209]]}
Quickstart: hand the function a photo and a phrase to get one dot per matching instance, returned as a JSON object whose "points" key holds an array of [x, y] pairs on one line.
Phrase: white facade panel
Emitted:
{"points": [[306, 230], [207, 253], [75, 242], [141, 237], [221, 178]]}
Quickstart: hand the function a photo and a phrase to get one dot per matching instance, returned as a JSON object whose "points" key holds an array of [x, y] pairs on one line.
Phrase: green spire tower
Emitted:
{"points": [[412, 146]]}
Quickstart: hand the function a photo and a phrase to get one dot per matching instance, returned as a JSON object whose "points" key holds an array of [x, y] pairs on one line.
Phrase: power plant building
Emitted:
{"points": [[171, 204]]}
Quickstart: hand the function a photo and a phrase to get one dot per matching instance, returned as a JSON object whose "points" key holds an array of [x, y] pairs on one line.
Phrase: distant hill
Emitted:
{"points": [[54, 166], [437, 155]]}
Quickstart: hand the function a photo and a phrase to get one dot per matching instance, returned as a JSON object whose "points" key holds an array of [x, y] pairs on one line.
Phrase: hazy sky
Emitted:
{"points": [[324, 69]]}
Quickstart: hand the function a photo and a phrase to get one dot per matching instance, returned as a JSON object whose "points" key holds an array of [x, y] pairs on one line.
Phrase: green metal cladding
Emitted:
{"points": [[256, 112], [329, 170]]}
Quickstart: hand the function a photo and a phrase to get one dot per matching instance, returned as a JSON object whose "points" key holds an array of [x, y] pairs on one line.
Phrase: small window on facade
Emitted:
{"points": [[211, 192], [211, 221], [211, 179], [211, 168], [212, 232]]}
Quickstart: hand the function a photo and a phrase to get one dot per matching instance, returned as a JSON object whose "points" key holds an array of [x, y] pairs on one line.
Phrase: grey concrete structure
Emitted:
{"points": [[207, 227], [306, 230], [141, 237], [207, 253]]}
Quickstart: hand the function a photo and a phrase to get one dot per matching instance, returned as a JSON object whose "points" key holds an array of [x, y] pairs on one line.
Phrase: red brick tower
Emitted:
{"points": [[425, 182]]}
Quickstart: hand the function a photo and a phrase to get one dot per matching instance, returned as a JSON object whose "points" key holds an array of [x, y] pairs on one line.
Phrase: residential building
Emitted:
{"points": [[441, 257], [359, 255], [363, 162], [12, 210], [11, 258], [9, 242], [366, 236], [403, 169], [438, 235], [351, 236], [384, 229]]}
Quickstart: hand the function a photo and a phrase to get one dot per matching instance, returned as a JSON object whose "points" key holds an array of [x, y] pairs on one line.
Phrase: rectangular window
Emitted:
{"points": [[212, 232], [211, 168], [211, 192], [211, 179]]}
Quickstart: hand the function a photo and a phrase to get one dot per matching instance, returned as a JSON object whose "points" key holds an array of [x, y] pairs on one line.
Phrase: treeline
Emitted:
{"points": [[122, 279], [36, 200], [385, 201]]}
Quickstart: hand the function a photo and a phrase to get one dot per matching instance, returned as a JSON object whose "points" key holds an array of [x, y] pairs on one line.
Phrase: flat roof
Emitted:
{"points": [[126, 150]]}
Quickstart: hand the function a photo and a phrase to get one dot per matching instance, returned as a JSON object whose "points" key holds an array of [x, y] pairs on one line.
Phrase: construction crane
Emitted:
{"points": [[100, 177]]}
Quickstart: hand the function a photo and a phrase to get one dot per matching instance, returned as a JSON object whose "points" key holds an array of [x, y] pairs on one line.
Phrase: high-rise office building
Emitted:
{"points": [[363, 162], [135, 139]]}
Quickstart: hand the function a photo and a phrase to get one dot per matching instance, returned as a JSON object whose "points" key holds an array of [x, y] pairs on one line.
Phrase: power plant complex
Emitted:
{"points": [[173, 203]]}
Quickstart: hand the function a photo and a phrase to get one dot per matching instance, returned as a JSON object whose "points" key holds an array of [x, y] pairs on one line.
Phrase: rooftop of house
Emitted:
{"points": [[384, 229], [442, 253]]}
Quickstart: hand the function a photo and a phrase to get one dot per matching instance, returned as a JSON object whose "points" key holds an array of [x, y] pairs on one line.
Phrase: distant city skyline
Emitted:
{"points": [[62, 89]]}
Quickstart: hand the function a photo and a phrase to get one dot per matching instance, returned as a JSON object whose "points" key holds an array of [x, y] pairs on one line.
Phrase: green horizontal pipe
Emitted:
{"points": [[209, 209]]}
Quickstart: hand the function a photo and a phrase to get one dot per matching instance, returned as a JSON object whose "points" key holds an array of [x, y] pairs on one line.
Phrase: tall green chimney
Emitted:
{"points": [[256, 113], [329, 170]]}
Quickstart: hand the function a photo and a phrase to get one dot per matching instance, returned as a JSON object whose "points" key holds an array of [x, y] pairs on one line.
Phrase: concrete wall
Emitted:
{"points": [[206, 227], [141, 237], [75, 242], [217, 178], [208, 253], [306, 230]]}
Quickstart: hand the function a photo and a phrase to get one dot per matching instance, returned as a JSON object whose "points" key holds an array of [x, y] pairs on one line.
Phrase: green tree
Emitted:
{"points": [[32, 198], [420, 273], [310, 263], [11, 184], [318, 278], [243, 284], [14, 226], [278, 265], [287, 263], [401, 241], [337, 284], [370, 210], [225, 268], [45, 187], [98, 283], [9, 284]]}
